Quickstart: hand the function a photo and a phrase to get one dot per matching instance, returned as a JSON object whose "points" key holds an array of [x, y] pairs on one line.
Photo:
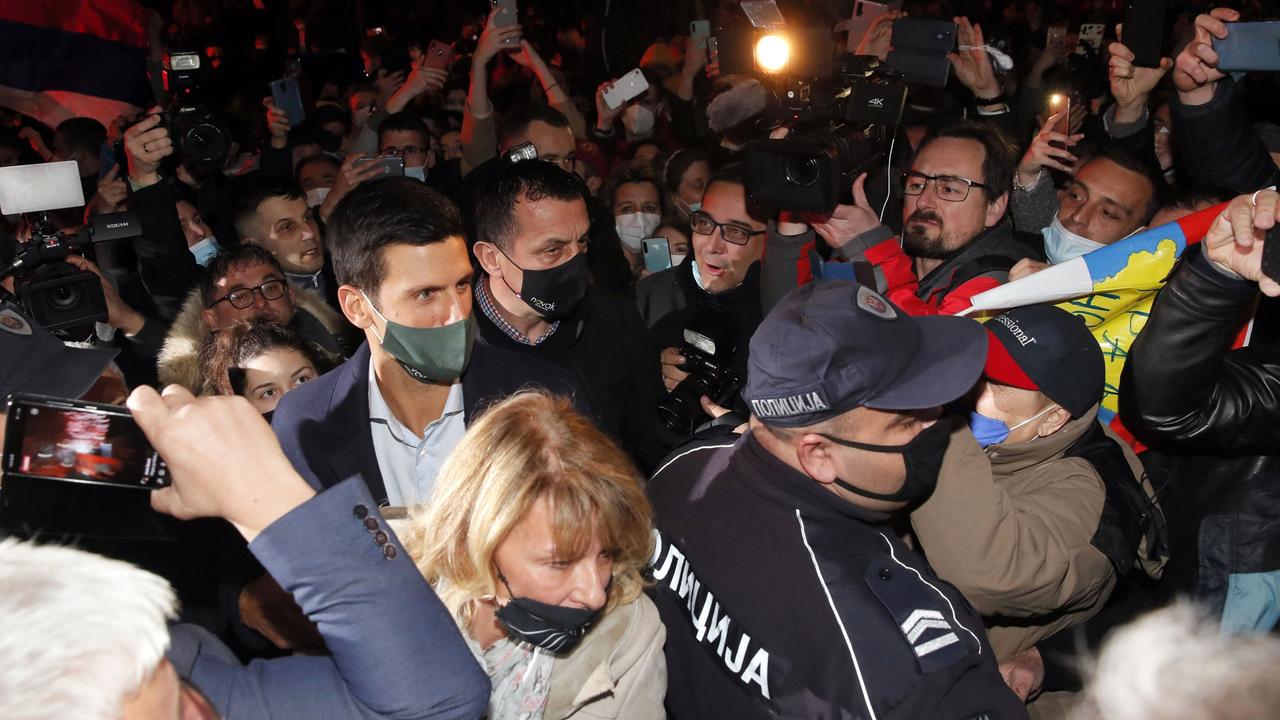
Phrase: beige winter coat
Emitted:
{"points": [[179, 360], [618, 671], [1011, 528]]}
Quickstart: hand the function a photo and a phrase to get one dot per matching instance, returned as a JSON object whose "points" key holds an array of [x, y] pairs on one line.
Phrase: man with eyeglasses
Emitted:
{"points": [[404, 135], [956, 240], [244, 283], [723, 271]]}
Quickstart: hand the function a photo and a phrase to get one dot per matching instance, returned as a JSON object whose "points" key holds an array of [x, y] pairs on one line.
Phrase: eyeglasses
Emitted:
{"points": [[242, 298], [402, 151], [704, 224], [948, 187]]}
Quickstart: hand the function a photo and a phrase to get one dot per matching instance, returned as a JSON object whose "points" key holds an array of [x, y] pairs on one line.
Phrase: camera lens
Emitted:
{"points": [[802, 171], [64, 297]]}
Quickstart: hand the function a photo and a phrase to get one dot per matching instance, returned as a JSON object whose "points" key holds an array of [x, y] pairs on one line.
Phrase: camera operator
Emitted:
{"points": [[721, 277], [956, 240], [532, 240], [1210, 416], [783, 590], [93, 642]]}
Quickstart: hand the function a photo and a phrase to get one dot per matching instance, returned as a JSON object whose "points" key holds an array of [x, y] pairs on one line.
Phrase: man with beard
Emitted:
{"points": [[956, 241]]}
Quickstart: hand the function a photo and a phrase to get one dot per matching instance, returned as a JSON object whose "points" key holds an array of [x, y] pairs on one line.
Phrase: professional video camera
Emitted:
{"points": [[56, 294], [841, 113], [710, 344], [197, 131]]}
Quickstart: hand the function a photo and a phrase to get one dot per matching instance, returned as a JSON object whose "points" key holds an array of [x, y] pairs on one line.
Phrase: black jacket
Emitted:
{"points": [[603, 344], [1218, 147], [323, 426], [782, 599], [1212, 419]]}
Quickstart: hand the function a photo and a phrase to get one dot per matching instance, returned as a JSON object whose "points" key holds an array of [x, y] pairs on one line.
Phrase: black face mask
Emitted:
{"points": [[556, 292], [923, 456], [550, 627]]}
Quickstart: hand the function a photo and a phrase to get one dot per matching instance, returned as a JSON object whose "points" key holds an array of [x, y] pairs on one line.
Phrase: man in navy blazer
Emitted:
{"points": [[91, 640], [392, 413]]}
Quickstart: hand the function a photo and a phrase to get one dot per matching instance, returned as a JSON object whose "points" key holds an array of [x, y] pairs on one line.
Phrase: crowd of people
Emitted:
{"points": [[549, 415]]}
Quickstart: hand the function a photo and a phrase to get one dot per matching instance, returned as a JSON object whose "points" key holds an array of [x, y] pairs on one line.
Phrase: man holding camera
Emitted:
{"points": [[717, 288], [956, 241], [783, 590], [533, 296]]}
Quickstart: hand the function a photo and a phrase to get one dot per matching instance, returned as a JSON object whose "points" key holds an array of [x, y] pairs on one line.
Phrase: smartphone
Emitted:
{"points": [[700, 29], [629, 86], [1271, 253], [1089, 39], [1060, 102], [657, 254], [77, 441], [1055, 36], [288, 97], [438, 55], [865, 13], [1249, 46], [522, 152], [509, 17], [1144, 31], [920, 50], [392, 164], [762, 13]]}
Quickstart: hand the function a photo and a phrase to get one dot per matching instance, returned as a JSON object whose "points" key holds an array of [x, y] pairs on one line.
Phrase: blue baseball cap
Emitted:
{"points": [[32, 360], [832, 346]]}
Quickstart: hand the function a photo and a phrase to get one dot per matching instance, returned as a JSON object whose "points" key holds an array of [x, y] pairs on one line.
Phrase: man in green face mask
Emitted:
{"points": [[394, 411]]}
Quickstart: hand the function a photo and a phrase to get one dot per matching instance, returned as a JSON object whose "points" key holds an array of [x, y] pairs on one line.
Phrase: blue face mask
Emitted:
{"points": [[989, 431], [205, 250]]}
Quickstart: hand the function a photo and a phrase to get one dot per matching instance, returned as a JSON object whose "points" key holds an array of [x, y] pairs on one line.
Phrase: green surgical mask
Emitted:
{"points": [[429, 355]]}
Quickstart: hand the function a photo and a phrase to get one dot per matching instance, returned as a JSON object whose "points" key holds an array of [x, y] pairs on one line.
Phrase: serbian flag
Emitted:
{"points": [[66, 58], [1111, 289]]}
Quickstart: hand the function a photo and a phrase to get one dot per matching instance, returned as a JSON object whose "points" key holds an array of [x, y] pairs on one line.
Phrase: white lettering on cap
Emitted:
{"points": [[1018, 333], [790, 406], [12, 322], [870, 301]]}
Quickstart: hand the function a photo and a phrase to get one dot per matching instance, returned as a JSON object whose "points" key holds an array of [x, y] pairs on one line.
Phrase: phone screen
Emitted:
{"points": [[79, 442]]}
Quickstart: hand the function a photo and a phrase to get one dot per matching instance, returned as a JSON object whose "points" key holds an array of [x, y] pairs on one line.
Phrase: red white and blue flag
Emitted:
{"points": [[67, 58]]}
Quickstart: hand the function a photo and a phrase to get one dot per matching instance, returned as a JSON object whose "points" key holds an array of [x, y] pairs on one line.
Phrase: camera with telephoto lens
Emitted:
{"points": [[841, 126], [709, 347], [198, 133], [55, 294]]}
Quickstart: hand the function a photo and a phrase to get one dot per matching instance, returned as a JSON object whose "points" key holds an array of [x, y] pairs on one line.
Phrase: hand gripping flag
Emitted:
{"points": [[1111, 288], [65, 58]]}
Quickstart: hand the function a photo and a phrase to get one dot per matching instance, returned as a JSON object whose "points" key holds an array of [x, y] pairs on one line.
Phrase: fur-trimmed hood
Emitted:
{"points": [[179, 360]]}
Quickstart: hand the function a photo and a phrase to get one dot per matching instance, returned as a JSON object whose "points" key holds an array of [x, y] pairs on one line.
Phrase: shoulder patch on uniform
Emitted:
{"points": [[13, 323], [929, 631], [871, 301]]}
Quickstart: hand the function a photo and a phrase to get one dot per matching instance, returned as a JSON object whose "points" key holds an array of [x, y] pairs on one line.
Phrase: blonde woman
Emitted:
{"points": [[534, 537]]}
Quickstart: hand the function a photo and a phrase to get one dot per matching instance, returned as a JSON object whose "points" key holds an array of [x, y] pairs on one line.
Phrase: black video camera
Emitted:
{"points": [[842, 125], [56, 294], [709, 348]]}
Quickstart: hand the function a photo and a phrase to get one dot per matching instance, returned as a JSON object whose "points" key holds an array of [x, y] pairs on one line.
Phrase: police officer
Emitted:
{"points": [[783, 590]]}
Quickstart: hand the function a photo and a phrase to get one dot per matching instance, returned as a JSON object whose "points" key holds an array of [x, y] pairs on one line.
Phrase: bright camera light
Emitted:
{"points": [[772, 53]]}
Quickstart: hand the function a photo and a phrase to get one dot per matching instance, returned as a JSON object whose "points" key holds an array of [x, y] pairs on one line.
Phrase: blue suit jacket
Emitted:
{"points": [[323, 425], [396, 652]]}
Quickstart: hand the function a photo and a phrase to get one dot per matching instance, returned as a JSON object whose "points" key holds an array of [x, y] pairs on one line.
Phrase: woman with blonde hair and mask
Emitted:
{"points": [[535, 537]]}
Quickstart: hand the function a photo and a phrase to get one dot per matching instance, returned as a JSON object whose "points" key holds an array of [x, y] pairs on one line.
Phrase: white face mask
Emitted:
{"points": [[205, 250], [677, 259], [418, 173], [635, 227], [315, 196], [1061, 245], [638, 120]]}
